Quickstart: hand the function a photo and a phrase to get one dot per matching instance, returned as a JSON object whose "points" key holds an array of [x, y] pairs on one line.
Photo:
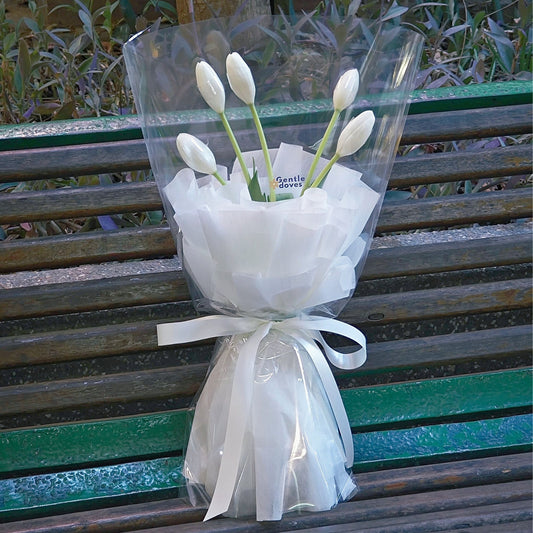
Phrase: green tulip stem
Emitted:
{"points": [[325, 170], [322, 145], [219, 178], [266, 155], [236, 147]]}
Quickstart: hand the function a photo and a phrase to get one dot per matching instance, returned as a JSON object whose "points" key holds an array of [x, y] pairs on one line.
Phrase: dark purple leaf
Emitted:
{"points": [[107, 223]]}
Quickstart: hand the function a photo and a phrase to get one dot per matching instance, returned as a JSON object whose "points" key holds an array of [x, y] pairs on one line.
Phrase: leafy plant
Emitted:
{"points": [[50, 73]]}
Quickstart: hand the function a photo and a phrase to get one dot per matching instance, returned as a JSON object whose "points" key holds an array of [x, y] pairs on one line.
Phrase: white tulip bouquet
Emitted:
{"points": [[271, 244]]}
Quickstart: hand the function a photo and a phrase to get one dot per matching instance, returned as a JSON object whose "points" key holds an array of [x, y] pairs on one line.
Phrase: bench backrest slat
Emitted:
{"points": [[110, 129], [152, 241], [143, 196]]}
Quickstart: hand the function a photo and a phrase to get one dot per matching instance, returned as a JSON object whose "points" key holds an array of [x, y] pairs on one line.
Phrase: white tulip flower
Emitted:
{"points": [[346, 90], [242, 84], [343, 96], [240, 78], [197, 155], [210, 86], [355, 134], [352, 137]]}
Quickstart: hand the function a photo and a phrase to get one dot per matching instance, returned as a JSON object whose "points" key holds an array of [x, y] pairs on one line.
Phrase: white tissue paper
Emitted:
{"points": [[275, 260]]}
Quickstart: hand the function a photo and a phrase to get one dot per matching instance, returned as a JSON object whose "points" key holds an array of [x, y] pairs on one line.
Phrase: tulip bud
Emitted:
{"points": [[210, 87], [355, 134], [346, 89], [196, 154], [240, 78]]}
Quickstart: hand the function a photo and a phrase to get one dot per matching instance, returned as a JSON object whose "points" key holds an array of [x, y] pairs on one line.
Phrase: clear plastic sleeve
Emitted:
{"points": [[270, 434]]}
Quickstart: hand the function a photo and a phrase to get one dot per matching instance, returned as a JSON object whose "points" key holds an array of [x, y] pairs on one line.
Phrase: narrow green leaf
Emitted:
{"points": [[86, 21], [9, 41], [394, 11], [24, 61], [255, 189], [504, 47]]}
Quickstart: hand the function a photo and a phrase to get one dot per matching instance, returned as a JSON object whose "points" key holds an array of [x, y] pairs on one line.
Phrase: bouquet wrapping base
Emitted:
{"points": [[270, 434]]}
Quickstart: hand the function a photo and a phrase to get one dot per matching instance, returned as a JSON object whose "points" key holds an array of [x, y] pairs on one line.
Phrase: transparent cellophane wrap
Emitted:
{"points": [[269, 404]]}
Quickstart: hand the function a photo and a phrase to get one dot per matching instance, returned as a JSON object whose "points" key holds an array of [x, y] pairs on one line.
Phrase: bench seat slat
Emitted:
{"points": [[502, 475], [511, 516], [362, 311], [459, 395], [509, 434], [144, 196], [386, 356], [153, 241], [86, 248], [162, 433], [432, 303], [170, 382], [400, 447], [463, 124], [91, 486], [449, 349], [163, 287]]}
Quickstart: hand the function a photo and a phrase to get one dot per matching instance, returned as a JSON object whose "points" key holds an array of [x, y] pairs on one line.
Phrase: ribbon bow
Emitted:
{"points": [[307, 332]]}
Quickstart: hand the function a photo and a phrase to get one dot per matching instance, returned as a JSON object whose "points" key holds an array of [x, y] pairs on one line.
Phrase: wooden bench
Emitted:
{"points": [[93, 413]]}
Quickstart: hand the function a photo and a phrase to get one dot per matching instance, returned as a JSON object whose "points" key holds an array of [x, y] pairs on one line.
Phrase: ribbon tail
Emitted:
{"points": [[349, 360], [333, 396], [239, 409]]}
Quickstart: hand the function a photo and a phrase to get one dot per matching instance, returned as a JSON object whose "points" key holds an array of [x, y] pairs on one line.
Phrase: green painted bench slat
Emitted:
{"points": [[508, 475], [157, 434], [105, 129], [90, 487], [373, 450], [400, 447], [116, 156], [461, 395]]}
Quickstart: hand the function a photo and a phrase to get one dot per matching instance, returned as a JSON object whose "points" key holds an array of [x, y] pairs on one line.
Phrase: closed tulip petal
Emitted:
{"points": [[196, 154], [240, 78], [346, 90], [210, 86], [355, 134]]}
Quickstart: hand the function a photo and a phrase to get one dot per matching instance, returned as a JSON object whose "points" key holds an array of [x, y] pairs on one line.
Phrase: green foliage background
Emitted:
{"points": [[49, 72]]}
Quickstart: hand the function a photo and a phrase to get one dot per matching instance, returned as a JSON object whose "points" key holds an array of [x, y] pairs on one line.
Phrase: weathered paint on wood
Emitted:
{"points": [[512, 470], [104, 129], [385, 405], [382, 449], [96, 485]]}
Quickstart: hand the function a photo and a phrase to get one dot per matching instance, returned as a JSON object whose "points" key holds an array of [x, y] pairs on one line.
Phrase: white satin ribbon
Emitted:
{"points": [[307, 332]]}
